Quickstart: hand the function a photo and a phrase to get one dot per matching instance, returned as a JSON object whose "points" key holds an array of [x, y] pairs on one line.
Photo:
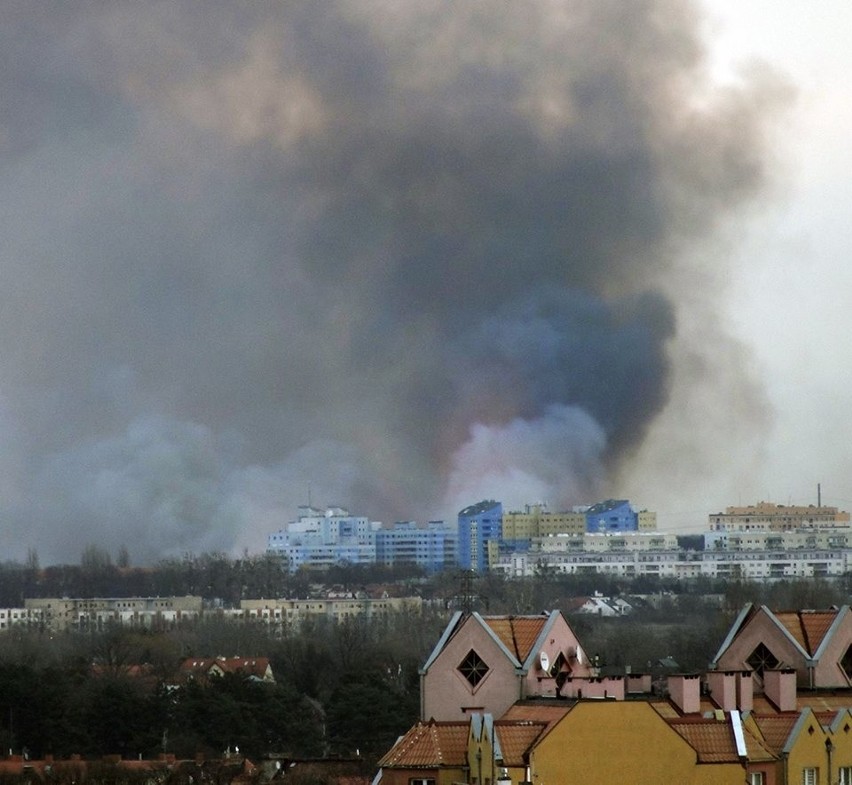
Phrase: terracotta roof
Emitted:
{"points": [[517, 633], [536, 712], [430, 744], [825, 701], [757, 749], [252, 666], [516, 738], [807, 627], [776, 729], [668, 710], [712, 739]]}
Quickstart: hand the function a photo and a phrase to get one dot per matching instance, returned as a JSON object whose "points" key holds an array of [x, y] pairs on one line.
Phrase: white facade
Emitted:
{"points": [[745, 565], [322, 539]]}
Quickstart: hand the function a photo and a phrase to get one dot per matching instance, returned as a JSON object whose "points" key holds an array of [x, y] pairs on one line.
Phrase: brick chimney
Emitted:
{"points": [[685, 692], [779, 685]]}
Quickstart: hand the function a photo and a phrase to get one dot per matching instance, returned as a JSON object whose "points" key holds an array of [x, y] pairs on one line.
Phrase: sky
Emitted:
{"points": [[400, 257]]}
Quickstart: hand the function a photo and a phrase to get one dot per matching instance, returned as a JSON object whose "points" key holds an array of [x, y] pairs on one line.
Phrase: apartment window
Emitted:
{"points": [[845, 775], [473, 668], [756, 778], [809, 776], [421, 781]]}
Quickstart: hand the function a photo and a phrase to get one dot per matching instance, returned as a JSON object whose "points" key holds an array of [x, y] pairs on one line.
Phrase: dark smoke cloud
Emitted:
{"points": [[391, 251]]}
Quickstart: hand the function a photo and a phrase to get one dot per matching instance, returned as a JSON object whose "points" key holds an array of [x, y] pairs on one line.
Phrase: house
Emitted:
{"points": [[430, 752], [817, 644], [203, 668], [483, 664]]}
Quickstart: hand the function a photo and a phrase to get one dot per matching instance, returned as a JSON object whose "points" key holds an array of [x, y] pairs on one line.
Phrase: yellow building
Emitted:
{"points": [[537, 521]]}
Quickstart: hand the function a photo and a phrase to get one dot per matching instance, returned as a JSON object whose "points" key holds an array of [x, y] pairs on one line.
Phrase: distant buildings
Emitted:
{"points": [[320, 539], [765, 516], [759, 542], [160, 613]]}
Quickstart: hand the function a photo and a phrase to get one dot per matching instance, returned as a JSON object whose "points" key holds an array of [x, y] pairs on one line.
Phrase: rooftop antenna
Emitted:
{"points": [[819, 495], [309, 495]]}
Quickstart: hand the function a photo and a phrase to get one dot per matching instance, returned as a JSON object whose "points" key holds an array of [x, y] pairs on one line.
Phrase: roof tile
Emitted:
{"points": [[517, 633], [430, 744]]}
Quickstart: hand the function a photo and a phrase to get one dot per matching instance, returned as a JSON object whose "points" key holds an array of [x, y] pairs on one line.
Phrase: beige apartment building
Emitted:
{"points": [[537, 521], [62, 613], [777, 517], [280, 611]]}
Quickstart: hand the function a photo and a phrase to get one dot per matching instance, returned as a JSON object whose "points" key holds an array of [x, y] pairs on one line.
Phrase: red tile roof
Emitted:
{"points": [[776, 729], [537, 712], [249, 666], [516, 738], [430, 744], [517, 633], [712, 739], [807, 627]]}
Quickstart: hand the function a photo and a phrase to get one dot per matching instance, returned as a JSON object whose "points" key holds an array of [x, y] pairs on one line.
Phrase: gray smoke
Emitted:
{"points": [[383, 250]]}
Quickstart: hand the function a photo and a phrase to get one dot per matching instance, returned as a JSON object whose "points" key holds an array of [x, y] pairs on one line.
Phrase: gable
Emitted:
{"points": [[638, 729]]}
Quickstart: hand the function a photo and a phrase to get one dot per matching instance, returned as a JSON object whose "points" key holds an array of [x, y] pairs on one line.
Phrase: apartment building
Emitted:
{"points": [[320, 539], [777, 517], [63, 613], [677, 563]]}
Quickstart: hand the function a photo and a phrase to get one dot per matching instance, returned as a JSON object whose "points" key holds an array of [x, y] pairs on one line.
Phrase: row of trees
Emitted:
{"points": [[341, 690]]}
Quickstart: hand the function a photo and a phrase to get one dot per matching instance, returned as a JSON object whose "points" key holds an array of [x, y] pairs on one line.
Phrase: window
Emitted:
{"points": [[473, 668], [762, 659], [845, 774], [846, 663], [421, 781], [756, 778], [809, 776]]}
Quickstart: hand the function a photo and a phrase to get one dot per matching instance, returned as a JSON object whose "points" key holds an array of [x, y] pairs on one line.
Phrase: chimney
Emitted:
{"points": [[685, 692], [779, 685], [723, 689], [745, 691]]}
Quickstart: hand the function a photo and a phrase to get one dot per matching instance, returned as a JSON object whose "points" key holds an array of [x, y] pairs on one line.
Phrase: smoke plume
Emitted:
{"points": [[394, 252]]}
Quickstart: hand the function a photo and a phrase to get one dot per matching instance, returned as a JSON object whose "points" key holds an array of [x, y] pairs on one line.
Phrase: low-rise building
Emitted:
{"points": [[62, 613], [680, 563]]}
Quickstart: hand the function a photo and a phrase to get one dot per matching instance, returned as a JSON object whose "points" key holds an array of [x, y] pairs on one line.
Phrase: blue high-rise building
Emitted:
{"points": [[613, 515], [478, 525], [432, 547]]}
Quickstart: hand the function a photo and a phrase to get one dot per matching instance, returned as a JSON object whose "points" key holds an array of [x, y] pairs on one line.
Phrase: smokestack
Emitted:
{"points": [[819, 495]]}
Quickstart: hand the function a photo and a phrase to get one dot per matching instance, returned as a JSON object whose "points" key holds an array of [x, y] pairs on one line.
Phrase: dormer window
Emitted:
{"points": [[473, 668]]}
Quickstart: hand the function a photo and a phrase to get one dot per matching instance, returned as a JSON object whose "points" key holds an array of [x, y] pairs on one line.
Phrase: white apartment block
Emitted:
{"points": [[741, 565]]}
